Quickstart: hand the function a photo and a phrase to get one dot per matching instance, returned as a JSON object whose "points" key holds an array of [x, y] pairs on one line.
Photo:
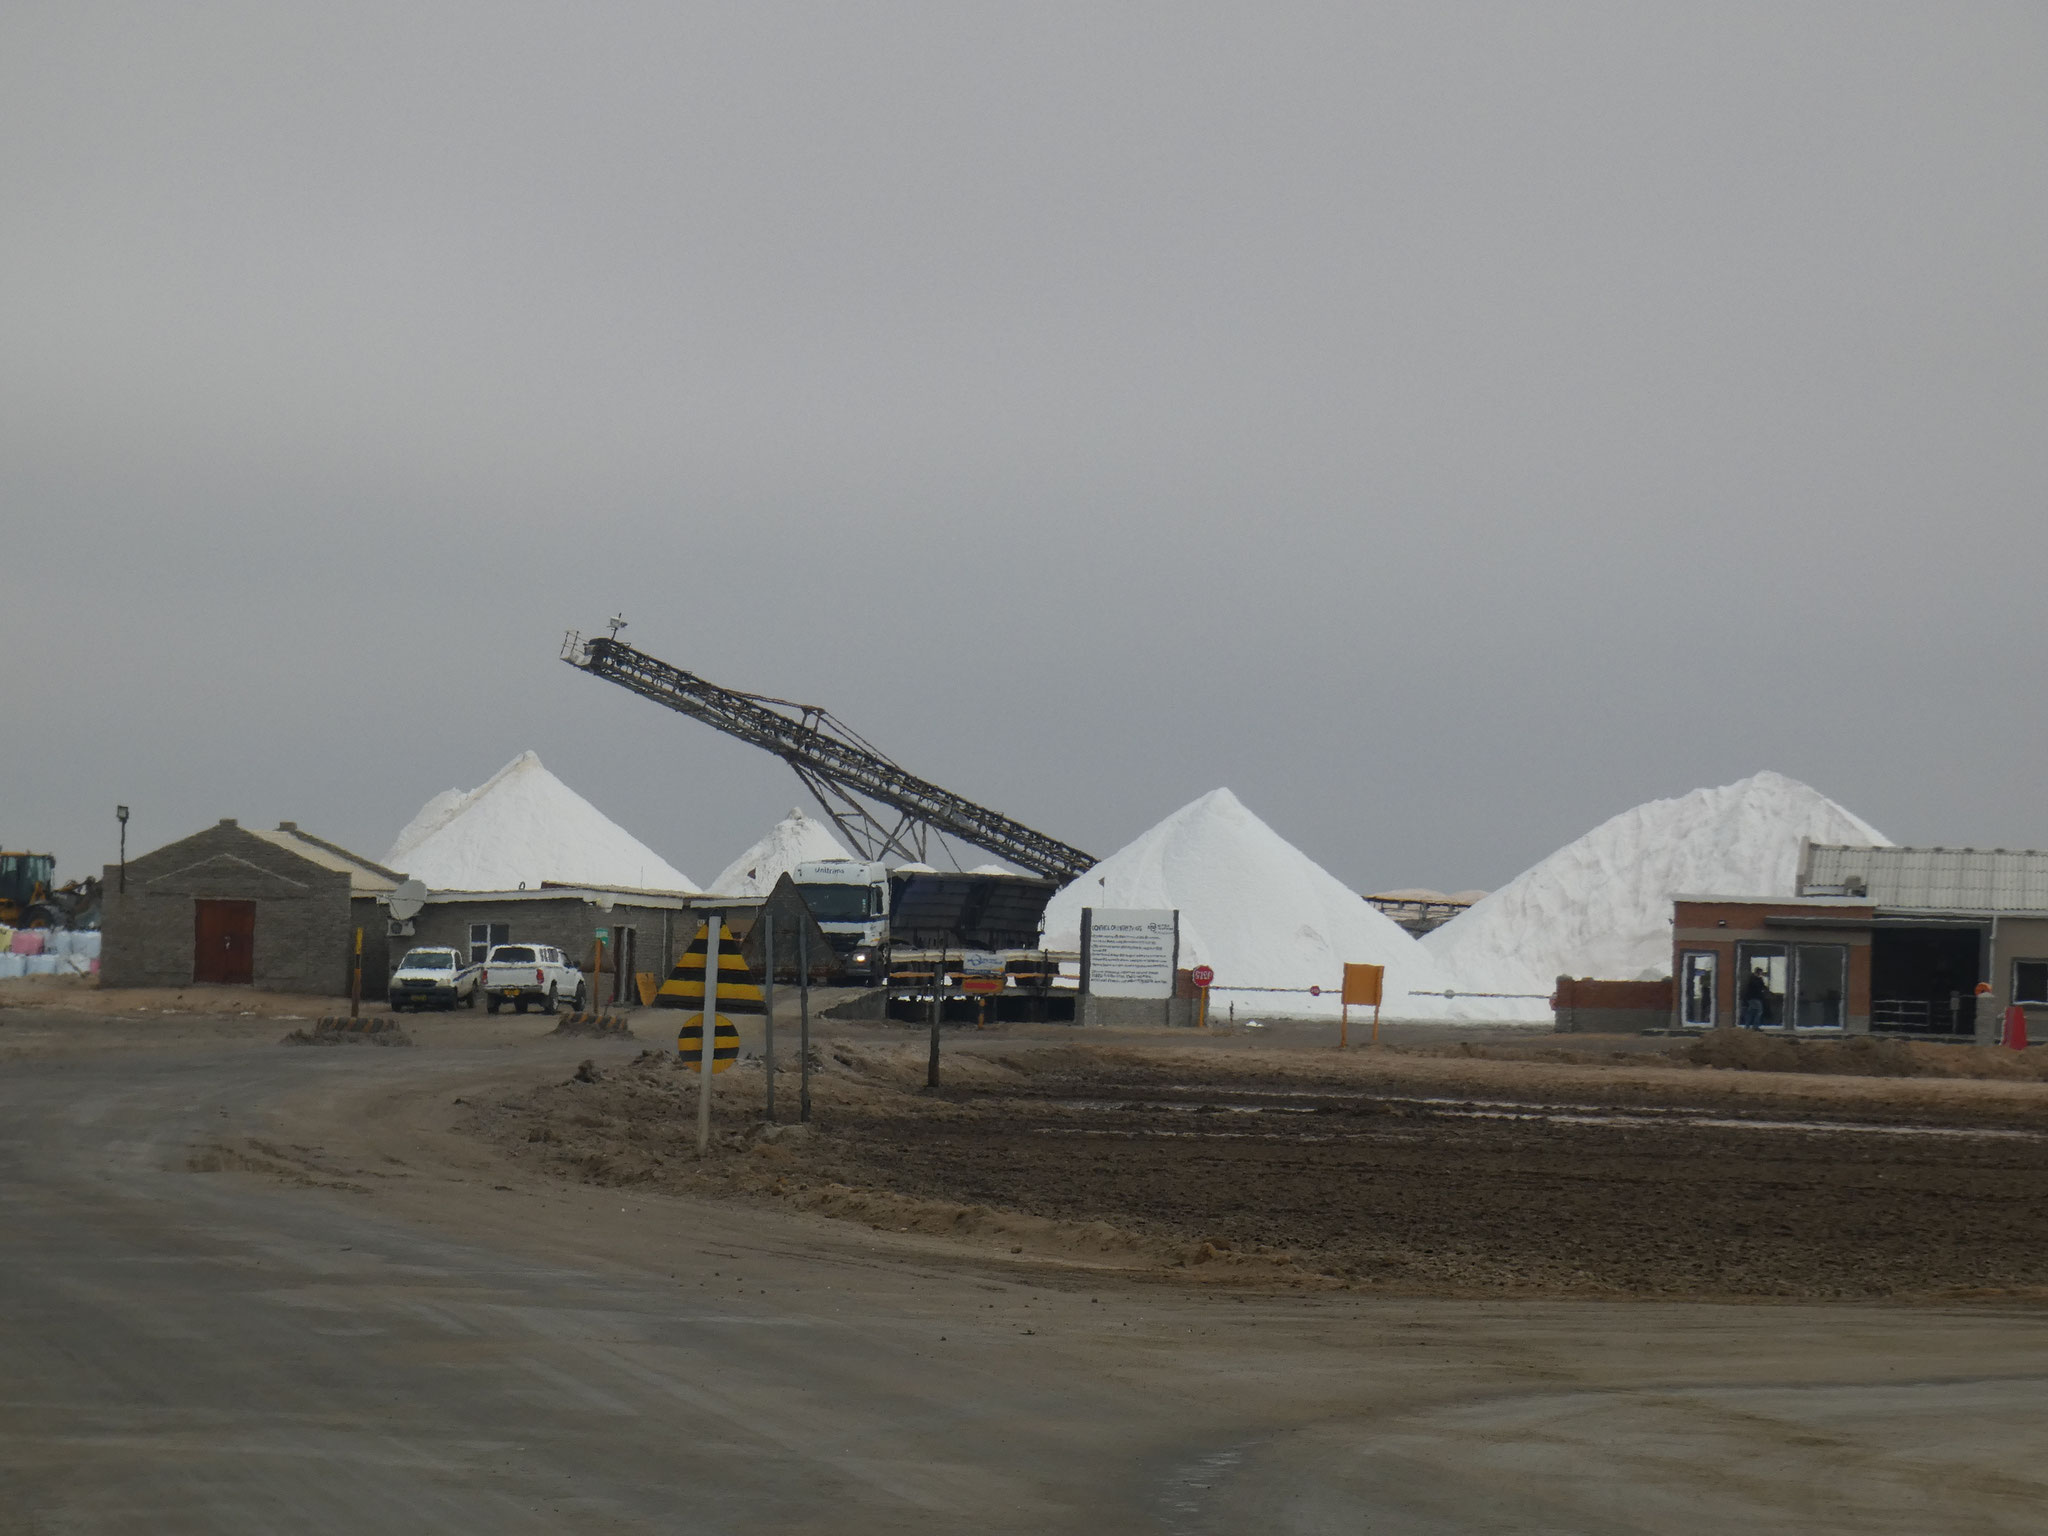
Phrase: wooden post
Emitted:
{"points": [[768, 1003], [355, 987], [1375, 1023], [1344, 1029], [707, 1039], [931, 1068], [803, 1007]]}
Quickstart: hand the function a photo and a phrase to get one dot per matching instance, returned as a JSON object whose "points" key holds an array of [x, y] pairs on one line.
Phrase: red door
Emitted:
{"points": [[224, 941]]}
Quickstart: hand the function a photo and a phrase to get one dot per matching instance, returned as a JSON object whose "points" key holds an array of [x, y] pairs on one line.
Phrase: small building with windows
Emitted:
{"points": [[1887, 940], [641, 932]]}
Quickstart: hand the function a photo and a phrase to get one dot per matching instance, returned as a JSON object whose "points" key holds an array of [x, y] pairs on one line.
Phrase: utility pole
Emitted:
{"points": [[707, 1038], [768, 1003], [931, 1069], [803, 1003], [121, 815]]}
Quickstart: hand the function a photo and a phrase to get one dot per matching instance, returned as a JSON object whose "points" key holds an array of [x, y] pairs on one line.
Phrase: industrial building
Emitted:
{"points": [[1929, 942], [643, 931], [233, 905]]}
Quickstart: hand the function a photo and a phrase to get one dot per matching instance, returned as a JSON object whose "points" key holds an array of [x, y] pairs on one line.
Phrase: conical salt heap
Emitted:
{"points": [[1601, 906], [794, 840], [1253, 907], [524, 826]]}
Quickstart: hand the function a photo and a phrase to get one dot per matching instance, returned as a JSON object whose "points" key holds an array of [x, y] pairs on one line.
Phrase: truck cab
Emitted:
{"points": [[850, 900]]}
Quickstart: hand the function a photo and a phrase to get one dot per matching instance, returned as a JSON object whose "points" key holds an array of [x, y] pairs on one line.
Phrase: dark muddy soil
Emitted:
{"points": [[1384, 1177]]}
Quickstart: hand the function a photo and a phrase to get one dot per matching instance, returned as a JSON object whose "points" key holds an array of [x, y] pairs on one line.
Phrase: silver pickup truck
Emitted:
{"points": [[433, 978], [526, 975]]}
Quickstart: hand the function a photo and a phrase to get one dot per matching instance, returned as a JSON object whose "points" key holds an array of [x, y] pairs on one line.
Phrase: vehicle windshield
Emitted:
{"points": [[429, 960], [838, 903], [512, 954]]}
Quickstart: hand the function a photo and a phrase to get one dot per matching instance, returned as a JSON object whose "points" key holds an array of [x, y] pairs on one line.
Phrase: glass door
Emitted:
{"points": [[1762, 972], [1697, 989], [1820, 984]]}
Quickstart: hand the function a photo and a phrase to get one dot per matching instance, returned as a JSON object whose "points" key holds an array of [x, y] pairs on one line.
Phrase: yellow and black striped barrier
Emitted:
{"points": [[725, 1043], [738, 991]]}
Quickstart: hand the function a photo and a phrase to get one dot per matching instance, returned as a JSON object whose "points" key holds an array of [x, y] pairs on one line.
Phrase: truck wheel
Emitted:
{"points": [[582, 1003], [397, 1005], [548, 1003], [491, 1003], [470, 1001]]}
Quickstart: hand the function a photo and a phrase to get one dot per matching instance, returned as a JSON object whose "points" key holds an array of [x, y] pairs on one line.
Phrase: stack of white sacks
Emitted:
{"points": [[48, 952]]}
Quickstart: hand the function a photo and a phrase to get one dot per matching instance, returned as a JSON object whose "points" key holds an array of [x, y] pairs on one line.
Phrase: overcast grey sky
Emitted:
{"points": [[1447, 425]]}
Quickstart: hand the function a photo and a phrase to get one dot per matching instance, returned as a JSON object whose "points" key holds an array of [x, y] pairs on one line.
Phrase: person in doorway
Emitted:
{"points": [[1756, 993]]}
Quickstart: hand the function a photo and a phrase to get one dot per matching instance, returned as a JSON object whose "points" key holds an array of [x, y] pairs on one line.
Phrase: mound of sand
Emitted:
{"points": [[1255, 908], [524, 826], [1601, 906]]}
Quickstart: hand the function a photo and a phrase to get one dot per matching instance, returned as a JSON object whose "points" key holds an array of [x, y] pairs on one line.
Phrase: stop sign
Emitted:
{"points": [[1201, 975]]}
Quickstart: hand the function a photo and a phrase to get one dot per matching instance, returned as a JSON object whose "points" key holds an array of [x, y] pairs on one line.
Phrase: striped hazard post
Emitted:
{"points": [[725, 1043], [738, 991]]}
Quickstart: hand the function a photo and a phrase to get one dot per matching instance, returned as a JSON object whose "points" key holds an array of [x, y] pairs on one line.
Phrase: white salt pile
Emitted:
{"points": [[1253, 907], [1602, 906], [794, 840], [522, 827]]}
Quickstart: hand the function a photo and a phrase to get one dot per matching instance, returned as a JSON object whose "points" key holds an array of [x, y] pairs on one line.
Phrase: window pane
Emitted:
{"points": [[2030, 981]]}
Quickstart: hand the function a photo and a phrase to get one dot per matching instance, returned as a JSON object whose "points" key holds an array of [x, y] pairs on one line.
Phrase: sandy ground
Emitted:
{"points": [[257, 1289], [1427, 1170]]}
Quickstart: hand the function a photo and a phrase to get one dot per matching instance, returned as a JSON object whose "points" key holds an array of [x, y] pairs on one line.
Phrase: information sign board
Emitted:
{"points": [[1129, 952]]}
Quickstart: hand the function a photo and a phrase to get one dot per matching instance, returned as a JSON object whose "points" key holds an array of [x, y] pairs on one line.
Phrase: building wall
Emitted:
{"points": [[302, 913], [567, 923], [2012, 938], [368, 914], [1585, 1006], [1717, 927]]}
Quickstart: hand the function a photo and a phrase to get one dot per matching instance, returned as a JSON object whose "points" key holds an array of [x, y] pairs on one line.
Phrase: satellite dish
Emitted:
{"points": [[407, 900]]}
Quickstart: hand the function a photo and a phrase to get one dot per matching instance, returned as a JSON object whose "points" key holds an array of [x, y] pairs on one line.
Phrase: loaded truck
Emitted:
{"points": [[850, 900], [867, 912]]}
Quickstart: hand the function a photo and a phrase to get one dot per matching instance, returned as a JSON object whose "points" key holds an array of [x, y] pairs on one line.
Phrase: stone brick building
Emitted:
{"points": [[272, 909], [644, 931]]}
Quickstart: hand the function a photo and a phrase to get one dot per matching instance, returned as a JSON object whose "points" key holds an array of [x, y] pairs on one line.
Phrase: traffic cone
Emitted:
{"points": [[2016, 1027]]}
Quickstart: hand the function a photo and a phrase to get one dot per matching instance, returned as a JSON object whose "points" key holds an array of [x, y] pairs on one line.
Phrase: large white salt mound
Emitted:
{"points": [[794, 840], [525, 826], [1253, 907], [1601, 906]]}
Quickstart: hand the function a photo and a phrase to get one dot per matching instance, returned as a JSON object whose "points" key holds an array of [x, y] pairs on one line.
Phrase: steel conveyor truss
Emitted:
{"points": [[844, 772]]}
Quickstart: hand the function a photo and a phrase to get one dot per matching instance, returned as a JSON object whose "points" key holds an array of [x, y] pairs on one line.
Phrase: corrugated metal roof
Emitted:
{"points": [[1931, 879], [365, 878]]}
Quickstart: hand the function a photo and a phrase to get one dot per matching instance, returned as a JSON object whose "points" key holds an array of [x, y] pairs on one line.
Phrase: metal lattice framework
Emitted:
{"points": [[843, 771]]}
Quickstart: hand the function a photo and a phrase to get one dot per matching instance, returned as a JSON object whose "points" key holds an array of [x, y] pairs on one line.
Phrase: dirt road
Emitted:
{"points": [[253, 1289]]}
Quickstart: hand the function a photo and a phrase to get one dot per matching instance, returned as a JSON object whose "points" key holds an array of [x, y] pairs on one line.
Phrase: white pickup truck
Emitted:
{"points": [[433, 978], [523, 974]]}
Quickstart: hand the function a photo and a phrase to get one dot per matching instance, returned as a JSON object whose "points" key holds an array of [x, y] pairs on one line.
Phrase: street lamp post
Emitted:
{"points": [[121, 814]]}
